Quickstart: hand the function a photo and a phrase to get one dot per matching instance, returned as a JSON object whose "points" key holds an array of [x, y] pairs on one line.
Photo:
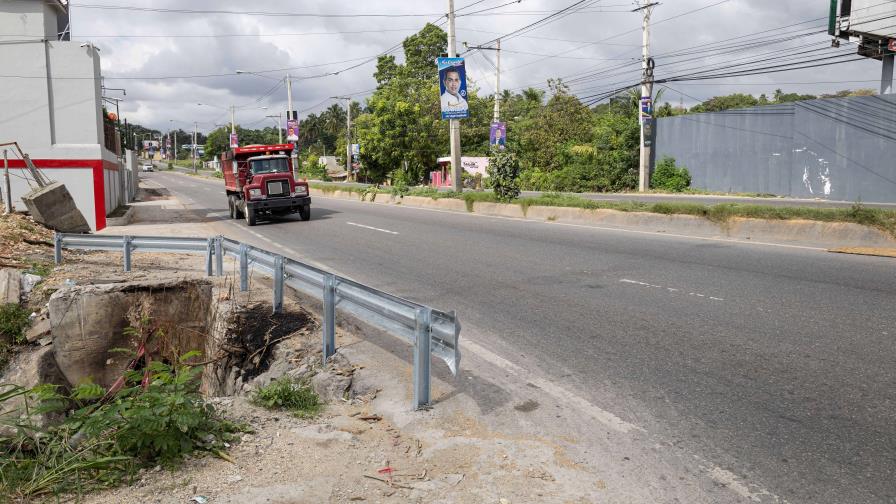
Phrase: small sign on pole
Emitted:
{"points": [[234, 141], [292, 130], [498, 135], [646, 107]]}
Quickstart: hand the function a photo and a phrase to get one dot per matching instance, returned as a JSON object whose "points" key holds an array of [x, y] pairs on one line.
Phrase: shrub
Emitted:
{"points": [[286, 393], [13, 322], [400, 183], [668, 177], [108, 436], [504, 172]]}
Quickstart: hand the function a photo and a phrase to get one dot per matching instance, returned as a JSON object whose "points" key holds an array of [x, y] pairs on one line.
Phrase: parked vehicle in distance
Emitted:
{"points": [[259, 182], [147, 167]]}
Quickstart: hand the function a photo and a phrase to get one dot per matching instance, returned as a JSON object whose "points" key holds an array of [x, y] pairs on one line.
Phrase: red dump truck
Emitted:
{"points": [[259, 182]]}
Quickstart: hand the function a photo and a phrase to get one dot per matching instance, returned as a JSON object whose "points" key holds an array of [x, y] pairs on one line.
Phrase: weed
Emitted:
{"points": [[156, 418], [13, 322], [40, 268], [288, 394]]}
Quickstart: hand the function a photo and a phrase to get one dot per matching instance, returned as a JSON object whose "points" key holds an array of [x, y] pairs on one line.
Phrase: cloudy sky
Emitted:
{"points": [[172, 61]]}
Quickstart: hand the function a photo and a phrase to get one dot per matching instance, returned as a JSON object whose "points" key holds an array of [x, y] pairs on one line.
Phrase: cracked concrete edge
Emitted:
{"points": [[793, 232]]}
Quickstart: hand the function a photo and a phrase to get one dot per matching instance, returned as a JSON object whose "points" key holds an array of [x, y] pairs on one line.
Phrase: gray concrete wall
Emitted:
{"points": [[838, 149]]}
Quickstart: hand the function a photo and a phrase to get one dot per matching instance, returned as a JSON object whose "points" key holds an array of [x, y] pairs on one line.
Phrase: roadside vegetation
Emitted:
{"points": [[288, 394], [157, 418], [721, 213]]}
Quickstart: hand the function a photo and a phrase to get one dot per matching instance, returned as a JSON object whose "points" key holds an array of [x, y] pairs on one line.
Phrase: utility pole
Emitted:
{"points": [[195, 134], [645, 120], [454, 124], [232, 125], [886, 76], [348, 134], [497, 115]]}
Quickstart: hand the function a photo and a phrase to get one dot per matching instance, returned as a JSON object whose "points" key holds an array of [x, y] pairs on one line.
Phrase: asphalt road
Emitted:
{"points": [[777, 364]]}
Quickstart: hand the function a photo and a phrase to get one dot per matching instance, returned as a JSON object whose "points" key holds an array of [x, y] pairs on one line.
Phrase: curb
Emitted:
{"points": [[791, 232], [124, 220]]}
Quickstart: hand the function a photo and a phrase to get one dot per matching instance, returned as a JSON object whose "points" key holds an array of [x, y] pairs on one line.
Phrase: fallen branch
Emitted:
{"points": [[390, 483]]}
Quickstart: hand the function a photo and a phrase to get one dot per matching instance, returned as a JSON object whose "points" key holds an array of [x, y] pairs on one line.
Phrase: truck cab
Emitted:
{"points": [[259, 182]]}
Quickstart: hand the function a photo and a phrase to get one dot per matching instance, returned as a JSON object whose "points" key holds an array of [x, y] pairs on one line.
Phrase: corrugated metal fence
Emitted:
{"points": [[838, 148]]}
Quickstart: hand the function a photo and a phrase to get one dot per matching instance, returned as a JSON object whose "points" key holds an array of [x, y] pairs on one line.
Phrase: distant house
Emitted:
{"points": [[334, 170]]}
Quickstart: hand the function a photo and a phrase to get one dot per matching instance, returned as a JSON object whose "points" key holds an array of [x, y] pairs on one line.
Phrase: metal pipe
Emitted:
{"points": [[422, 354], [329, 318], [278, 284]]}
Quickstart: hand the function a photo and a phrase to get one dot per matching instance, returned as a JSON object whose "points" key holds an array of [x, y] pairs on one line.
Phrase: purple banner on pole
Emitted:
{"points": [[497, 136], [292, 130], [234, 141]]}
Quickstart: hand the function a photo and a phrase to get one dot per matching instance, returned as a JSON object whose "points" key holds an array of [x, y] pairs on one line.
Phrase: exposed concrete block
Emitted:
{"points": [[89, 321], [39, 329], [54, 207], [10, 286]]}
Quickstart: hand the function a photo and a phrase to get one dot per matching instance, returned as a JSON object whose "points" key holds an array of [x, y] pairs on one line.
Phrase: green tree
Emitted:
{"points": [[402, 123]]}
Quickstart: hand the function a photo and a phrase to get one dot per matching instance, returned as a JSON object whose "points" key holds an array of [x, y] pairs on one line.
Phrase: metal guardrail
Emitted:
{"points": [[432, 332]]}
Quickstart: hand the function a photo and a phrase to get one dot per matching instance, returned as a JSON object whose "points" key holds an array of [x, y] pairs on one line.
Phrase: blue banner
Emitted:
{"points": [[453, 88]]}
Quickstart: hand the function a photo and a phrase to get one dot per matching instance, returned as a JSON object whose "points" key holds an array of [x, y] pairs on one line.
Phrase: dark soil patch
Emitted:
{"points": [[257, 332], [120, 211], [153, 194]]}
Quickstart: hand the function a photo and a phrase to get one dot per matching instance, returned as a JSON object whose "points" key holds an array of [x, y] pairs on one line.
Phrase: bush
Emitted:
{"points": [[668, 177], [400, 183], [288, 394], [13, 322], [108, 436], [504, 172]]}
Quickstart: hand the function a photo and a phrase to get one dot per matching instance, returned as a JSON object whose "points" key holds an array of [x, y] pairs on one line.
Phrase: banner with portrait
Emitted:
{"points": [[453, 88], [497, 136], [292, 130]]}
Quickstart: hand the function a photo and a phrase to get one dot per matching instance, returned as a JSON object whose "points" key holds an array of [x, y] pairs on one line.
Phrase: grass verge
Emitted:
{"points": [[882, 219]]}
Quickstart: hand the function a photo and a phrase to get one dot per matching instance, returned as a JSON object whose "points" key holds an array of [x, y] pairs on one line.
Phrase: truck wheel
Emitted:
{"points": [[231, 204], [250, 216], [305, 213], [237, 213]]}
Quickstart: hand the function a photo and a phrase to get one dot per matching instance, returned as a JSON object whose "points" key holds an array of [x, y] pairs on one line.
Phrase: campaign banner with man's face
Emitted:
{"points": [[497, 136], [234, 141], [292, 130], [453, 88]]}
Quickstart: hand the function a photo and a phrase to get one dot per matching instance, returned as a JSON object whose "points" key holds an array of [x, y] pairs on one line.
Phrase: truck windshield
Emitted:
{"points": [[270, 165]]}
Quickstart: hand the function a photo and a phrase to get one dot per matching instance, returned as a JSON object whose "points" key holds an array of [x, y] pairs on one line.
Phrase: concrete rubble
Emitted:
{"points": [[53, 206]]}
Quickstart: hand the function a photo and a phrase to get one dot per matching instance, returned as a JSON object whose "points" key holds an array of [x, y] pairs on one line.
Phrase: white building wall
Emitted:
{"points": [[78, 181], [51, 104]]}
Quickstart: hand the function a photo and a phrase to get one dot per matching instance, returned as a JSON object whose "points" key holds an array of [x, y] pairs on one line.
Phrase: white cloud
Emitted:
{"points": [[155, 102]]}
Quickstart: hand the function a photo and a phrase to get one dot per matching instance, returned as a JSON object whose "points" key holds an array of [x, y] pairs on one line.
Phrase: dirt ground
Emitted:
{"points": [[372, 448]]}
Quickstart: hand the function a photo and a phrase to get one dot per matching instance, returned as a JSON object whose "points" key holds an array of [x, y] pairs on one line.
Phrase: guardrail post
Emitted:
{"points": [[209, 250], [244, 267], [422, 352], [57, 248], [278, 284], [219, 255], [127, 253], [329, 325]]}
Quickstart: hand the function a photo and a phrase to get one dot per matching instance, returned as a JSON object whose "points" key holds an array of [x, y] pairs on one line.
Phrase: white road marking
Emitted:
{"points": [[371, 227], [601, 228], [670, 289]]}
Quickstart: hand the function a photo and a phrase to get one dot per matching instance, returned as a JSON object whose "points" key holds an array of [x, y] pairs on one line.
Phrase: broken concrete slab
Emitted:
{"points": [[39, 328], [10, 286], [27, 370], [53, 206]]}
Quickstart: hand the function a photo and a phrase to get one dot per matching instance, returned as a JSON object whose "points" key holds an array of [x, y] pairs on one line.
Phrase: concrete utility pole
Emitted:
{"points": [[497, 115], [279, 118], [232, 124], [454, 124], [646, 93], [195, 134], [886, 76], [348, 133]]}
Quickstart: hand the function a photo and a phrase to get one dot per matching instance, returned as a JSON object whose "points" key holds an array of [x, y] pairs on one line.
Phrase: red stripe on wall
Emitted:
{"points": [[99, 197], [99, 182], [59, 163]]}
